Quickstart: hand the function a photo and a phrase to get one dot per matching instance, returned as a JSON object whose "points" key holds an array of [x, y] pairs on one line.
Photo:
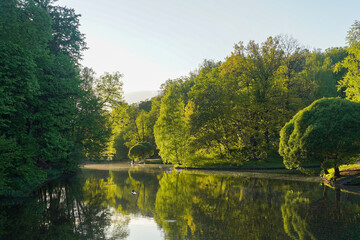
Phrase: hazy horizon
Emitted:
{"points": [[138, 96]]}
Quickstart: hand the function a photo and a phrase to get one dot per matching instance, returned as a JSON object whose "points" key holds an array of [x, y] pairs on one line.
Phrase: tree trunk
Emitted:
{"points": [[337, 171], [324, 167], [337, 194], [325, 192]]}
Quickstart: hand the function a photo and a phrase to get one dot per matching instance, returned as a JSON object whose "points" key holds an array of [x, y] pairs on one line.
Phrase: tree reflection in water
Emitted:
{"points": [[222, 207], [323, 218], [185, 205], [60, 212]]}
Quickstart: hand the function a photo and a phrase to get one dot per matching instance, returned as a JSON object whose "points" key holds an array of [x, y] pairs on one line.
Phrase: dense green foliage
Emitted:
{"points": [[51, 117], [233, 110], [171, 128], [141, 151], [54, 113], [351, 81], [130, 125], [326, 131]]}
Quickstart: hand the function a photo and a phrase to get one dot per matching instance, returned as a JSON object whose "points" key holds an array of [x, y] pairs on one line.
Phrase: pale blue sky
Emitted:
{"points": [[150, 41]]}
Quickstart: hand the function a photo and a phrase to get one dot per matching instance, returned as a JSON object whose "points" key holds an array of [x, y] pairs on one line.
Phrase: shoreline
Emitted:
{"points": [[242, 168]]}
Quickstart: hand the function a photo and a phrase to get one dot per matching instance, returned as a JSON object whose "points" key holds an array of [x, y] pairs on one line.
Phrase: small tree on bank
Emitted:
{"points": [[327, 131], [141, 151]]}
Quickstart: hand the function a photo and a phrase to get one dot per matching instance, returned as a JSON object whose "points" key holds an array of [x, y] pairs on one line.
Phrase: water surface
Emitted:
{"points": [[154, 202]]}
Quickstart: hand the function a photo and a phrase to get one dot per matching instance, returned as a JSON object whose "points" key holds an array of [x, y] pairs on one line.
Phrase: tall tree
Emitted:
{"points": [[90, 126], [109, 91], [351, 82], [109, 88], [40, 86], [209, 111], [67, 38], [171, 129], [254, 68]]}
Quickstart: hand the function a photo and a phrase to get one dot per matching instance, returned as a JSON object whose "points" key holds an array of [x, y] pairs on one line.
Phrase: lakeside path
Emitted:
{"points": [[240, 168], [250, 173], [255, 172]]}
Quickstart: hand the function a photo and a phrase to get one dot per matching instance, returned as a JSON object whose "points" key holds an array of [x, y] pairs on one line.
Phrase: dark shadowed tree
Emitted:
{"points": [[141, 151]]}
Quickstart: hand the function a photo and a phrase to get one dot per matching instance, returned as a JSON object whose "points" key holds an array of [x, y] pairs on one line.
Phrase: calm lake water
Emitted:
{"points": [[153, 202]]}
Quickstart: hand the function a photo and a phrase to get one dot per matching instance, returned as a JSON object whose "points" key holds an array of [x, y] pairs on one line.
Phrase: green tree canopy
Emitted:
{"points": [[326, 131], [351, 82], [171, 130], [48, 112]]}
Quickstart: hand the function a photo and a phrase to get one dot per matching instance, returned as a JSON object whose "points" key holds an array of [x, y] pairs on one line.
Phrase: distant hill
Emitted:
{"points": [[134, 97]]}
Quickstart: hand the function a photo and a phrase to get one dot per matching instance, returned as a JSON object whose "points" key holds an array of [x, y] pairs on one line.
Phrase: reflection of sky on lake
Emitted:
{"points": [[143, 228]]}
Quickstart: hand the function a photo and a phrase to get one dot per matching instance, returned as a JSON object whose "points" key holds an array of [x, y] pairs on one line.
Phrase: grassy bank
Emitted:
{"points": [[274, 162], [273, 165]]}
